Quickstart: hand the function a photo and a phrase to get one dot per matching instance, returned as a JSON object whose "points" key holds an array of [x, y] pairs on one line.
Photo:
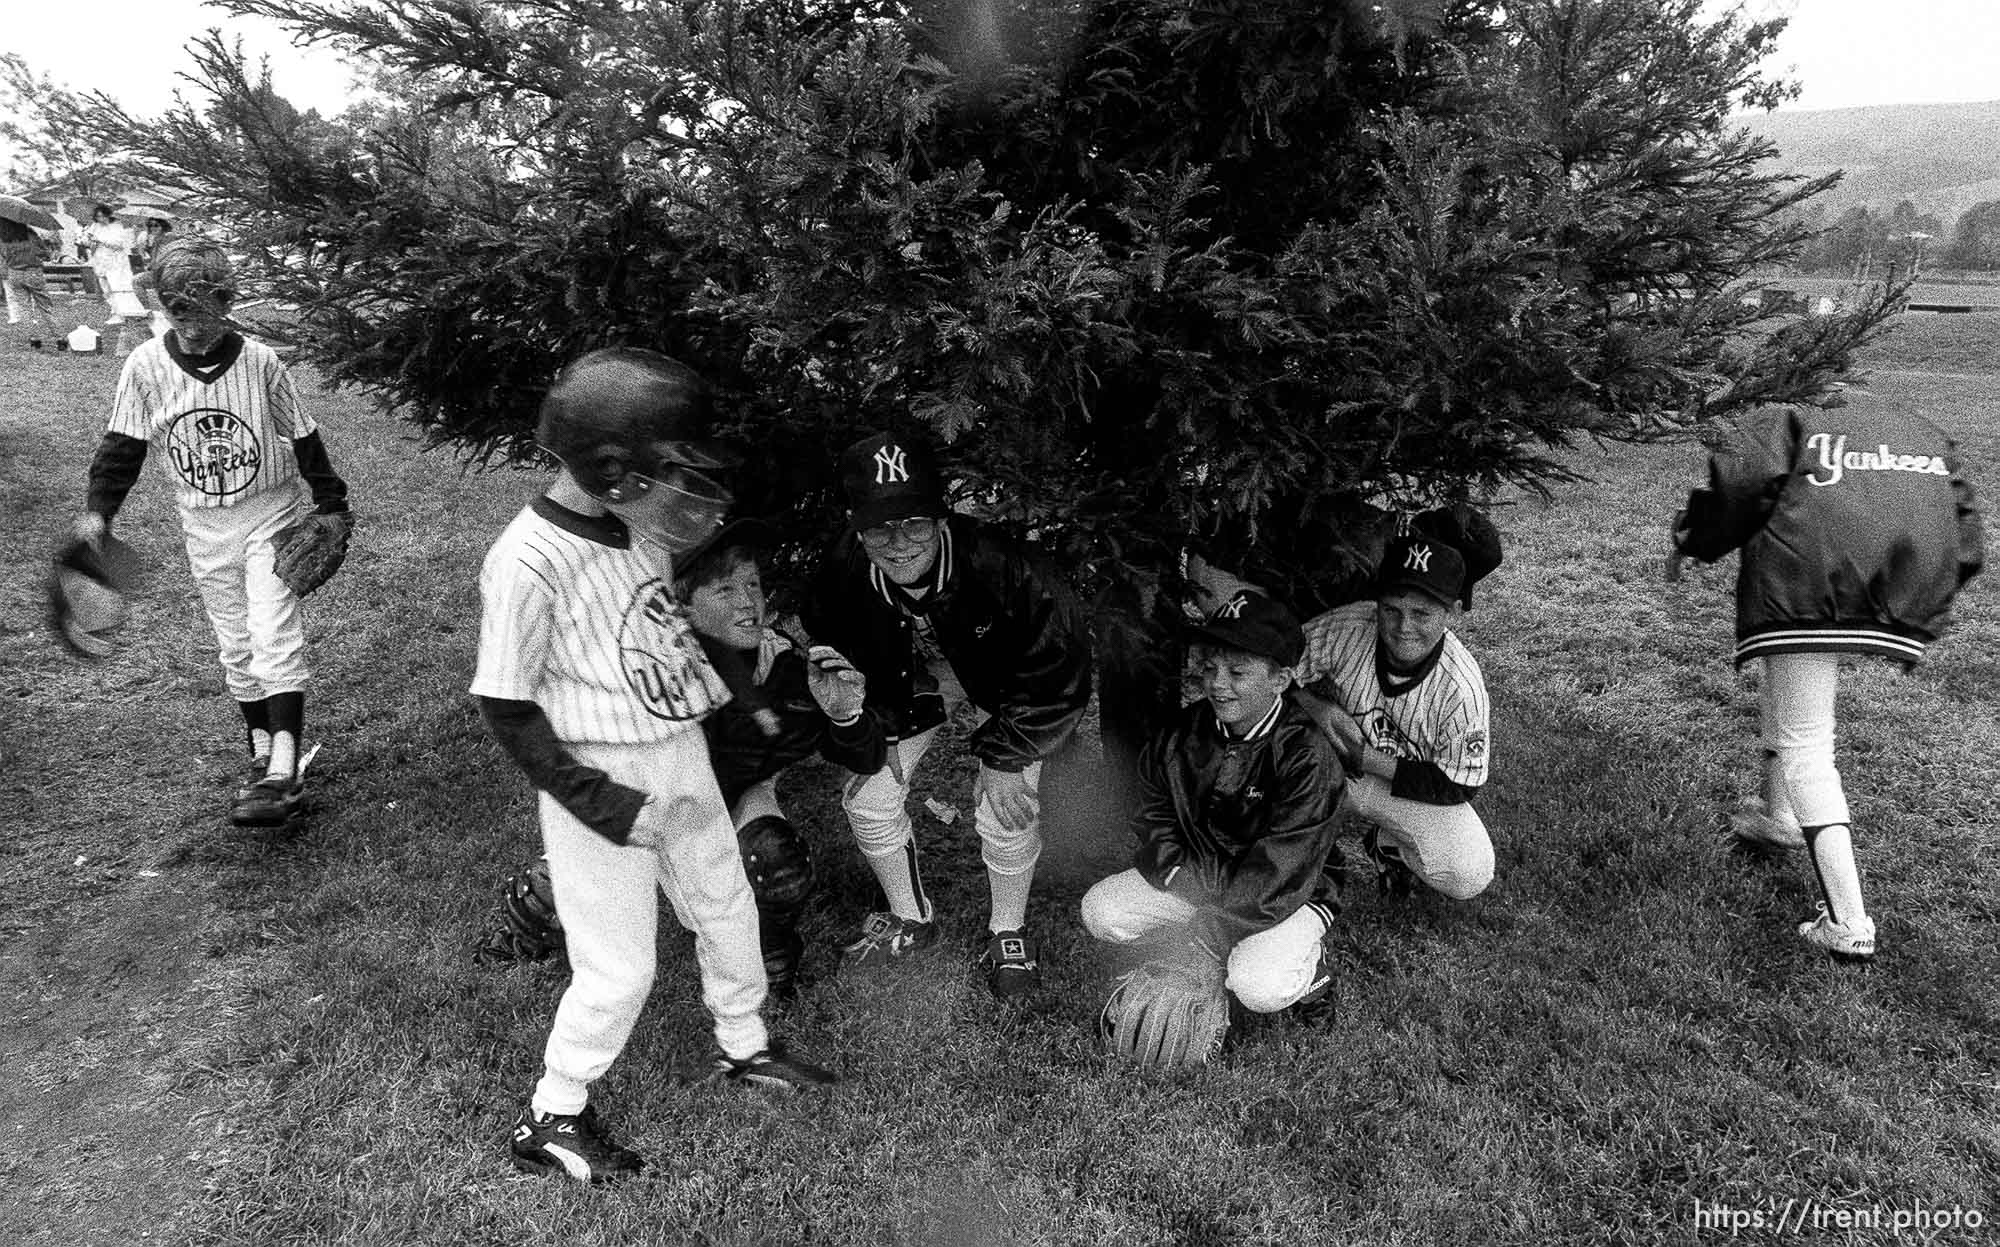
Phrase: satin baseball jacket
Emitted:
{"points": [[1008, 627], [1243, 828], [1856, 527]]}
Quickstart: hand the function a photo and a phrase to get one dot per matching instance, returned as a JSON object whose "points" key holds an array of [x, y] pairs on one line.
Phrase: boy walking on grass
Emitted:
{"points": [[595, 686], [246, 461]]}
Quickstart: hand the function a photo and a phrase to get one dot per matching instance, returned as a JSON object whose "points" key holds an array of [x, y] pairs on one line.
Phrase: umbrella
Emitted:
{"points": [[144, 212], [16, 209]]}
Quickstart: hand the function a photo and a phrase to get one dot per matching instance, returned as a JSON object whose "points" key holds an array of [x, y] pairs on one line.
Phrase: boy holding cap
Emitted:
{"points": [[935, 611], [1405, 703], [1237, 802]]}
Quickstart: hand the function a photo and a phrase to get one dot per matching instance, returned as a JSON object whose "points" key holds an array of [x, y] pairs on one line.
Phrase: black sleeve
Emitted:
{"points": [[328, 490], [114, 469], [1426, 782], [593, 798], [1164, 858], [1744, 481], [1049, 688]]}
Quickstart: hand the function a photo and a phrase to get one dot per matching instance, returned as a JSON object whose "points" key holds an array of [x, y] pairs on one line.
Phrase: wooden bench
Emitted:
{"points": [[74, 278]]}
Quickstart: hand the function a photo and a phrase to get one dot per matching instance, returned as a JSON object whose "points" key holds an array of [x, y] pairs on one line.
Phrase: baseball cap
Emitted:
{"points": [[1424, 564], [887, 478], [1256, 624]]}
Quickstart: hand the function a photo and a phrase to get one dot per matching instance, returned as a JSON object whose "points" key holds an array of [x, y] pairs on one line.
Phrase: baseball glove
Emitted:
{"points": [[530, 929], [1170, 1013], [87, 589], [311, 550]]}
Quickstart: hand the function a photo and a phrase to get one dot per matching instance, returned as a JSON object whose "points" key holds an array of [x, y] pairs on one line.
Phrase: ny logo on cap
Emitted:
{"points": [[1417, 559], [890, 466], [1233, 608]]}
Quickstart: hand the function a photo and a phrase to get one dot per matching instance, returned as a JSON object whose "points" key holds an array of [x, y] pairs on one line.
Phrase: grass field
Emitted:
{"points": [[218, 1037]]}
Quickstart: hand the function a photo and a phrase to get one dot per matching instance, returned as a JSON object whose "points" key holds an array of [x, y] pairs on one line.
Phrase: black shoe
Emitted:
{"points": [[573, 1144], [269, 802], [1394, 879], [774, 1069], [1012, 964]]}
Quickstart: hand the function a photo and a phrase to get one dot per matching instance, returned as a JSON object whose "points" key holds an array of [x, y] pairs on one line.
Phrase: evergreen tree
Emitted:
{"points": [[1240, 268]]}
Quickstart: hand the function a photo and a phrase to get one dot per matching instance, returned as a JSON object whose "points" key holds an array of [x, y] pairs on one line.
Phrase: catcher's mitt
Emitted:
{"points": [[530, 929], [87, 589], [311, 550], [1168, 1013]]}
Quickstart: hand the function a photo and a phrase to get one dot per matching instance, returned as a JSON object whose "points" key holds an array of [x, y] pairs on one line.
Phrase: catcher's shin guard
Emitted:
{"points": [[784, 948], [778, 862]]}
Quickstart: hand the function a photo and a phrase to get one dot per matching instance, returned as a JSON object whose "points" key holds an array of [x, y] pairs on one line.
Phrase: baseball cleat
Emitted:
{"points": [[1853, 941], [885, 938], [772, 1069], [269, 802], [272, 800], [1012, 964], [1393, 877], [260, 766], [573, 1144]]}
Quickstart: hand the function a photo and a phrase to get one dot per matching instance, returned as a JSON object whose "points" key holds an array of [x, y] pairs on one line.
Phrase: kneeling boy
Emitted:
{"points": [[1236, 818]]}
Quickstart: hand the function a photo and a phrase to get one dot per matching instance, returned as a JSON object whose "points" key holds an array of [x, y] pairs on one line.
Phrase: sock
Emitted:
{"points": [[902, 883], [1010, 899], [288, 712], [257, 726], [1832, 851]]}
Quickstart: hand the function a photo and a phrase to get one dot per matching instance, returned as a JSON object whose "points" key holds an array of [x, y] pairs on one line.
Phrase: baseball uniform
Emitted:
{"points": [[1433, 721], [580, 626]]}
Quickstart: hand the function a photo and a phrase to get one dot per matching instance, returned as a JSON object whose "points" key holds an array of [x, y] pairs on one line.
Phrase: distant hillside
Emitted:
{"points": [[1942, 157]]}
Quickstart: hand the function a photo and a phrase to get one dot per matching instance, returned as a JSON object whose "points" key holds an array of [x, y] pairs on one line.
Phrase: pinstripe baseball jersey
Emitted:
{"points": [[1440, 719], [221, 425], [581, 623]]}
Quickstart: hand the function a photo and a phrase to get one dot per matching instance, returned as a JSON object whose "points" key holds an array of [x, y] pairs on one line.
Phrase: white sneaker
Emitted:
{"points": [[1848, 941]]}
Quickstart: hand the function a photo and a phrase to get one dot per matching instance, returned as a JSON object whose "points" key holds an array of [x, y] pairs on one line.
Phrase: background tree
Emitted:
{"points": [[1245, 269], [1975, 239], [41, 138]]}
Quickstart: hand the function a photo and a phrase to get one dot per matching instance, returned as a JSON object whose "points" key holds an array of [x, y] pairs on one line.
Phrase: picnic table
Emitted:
{"points": [[75, 278]]}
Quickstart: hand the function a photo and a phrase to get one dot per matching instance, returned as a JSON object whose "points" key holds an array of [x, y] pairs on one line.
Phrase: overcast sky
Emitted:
{"points": [[1846, 52]]}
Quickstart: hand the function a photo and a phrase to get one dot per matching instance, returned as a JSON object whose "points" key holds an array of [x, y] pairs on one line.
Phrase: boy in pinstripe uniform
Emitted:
{"points": [[1405, 704], [594, 684], [245, 459]]}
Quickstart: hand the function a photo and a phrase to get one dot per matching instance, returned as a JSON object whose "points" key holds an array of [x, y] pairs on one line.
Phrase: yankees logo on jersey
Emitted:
{"points": [[660, 656], [581, 623], [1440, 718], [224, 423]]}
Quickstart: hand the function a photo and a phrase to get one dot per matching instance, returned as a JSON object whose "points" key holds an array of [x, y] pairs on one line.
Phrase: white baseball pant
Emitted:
{"points": [[1267, 971], [1446, 846], [258, 627], [608, 896], [1795, 705]]}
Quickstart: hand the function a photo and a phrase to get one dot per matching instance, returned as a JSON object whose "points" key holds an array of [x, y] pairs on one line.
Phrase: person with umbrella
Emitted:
{"points": [[111, 256], [23, 250]]}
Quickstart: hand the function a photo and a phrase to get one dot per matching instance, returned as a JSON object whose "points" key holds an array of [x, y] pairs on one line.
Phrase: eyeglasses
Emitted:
{"points": [[917, 530]]}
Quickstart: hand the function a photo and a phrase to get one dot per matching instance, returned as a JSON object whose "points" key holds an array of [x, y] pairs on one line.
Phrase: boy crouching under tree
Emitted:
{"points": [[1236, 819], [595, 686]]}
